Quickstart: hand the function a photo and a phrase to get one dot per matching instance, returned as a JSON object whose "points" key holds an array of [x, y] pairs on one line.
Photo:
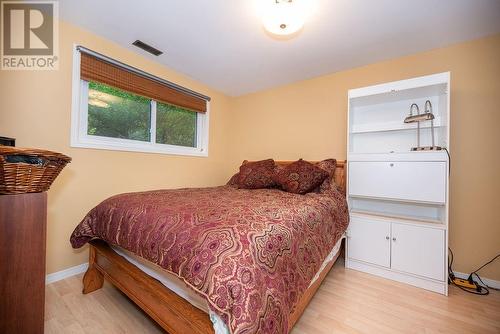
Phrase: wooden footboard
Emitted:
{"points": [[171, 312]]}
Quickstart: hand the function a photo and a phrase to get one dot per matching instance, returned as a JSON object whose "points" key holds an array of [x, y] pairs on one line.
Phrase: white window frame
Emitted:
{"points": [[79, 126]]}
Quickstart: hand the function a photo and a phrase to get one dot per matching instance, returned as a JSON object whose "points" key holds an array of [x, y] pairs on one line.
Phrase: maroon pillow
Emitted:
{"points": [[233, 180], [329, 165], [300, 177], [256, 175]]}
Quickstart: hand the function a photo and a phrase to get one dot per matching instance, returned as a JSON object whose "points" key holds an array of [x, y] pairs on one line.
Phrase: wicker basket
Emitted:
{"points": [[25, 170]]}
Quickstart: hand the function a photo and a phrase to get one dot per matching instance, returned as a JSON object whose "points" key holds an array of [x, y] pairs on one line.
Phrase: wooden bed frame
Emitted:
{"points": [[170, 311]]}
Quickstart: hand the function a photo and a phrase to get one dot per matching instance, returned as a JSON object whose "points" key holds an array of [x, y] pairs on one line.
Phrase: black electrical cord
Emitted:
{"points": [[483, 290], [479, 277], [484, 284], [449, 160], [484, 265]]}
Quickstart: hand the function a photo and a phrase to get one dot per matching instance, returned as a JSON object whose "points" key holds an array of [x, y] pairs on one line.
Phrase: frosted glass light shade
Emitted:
{"points": [[284, 17]]}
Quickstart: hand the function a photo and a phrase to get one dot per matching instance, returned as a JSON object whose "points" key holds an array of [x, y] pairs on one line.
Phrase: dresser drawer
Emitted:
{"points": [[400, 180]]}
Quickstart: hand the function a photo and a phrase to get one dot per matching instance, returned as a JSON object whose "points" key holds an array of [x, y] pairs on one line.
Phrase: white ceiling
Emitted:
{"points": [[222, 44]]}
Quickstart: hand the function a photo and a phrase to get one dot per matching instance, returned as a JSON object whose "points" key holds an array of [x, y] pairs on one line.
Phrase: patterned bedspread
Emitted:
{"points": [[250, 253]]}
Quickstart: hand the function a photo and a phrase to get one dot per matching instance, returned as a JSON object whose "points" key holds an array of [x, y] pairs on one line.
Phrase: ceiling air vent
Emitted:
{"points": [[147, 48]]}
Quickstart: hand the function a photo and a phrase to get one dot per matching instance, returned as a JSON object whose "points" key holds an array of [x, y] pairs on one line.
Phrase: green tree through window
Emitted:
{"points": [[119, 114], [175, 126]]}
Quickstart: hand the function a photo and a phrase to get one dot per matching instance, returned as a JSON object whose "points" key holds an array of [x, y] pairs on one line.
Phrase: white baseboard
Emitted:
{"points": [[487, 281], [72, 271]]}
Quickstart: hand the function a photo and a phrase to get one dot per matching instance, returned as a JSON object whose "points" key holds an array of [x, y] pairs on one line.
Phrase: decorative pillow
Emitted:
{"points": [[300, 177], [256, 175], [233, 180], [329, 166]]}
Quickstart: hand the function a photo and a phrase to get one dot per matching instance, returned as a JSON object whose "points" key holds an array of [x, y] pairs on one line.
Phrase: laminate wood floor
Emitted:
{"points": [[347, 302]]}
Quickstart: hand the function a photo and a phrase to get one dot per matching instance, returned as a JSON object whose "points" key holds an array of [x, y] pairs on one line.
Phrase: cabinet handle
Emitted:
{"points": [[391, 164], [393, 238], [387, 238]]}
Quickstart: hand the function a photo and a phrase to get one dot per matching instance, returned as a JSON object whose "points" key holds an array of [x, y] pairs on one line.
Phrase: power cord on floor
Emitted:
{"points": [[484, 265], [469, 285]]}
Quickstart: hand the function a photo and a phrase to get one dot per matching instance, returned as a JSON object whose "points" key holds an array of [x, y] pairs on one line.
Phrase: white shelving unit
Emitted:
{"points": [[398, 198]]}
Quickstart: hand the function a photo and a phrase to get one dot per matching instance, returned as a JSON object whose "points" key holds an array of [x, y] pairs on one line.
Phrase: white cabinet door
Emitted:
{"points": [[418, 250], [368, 240], [401, 180]]}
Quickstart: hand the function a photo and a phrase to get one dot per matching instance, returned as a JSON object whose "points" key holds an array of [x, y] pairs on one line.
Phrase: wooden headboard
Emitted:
{"points": [[340, 172]]}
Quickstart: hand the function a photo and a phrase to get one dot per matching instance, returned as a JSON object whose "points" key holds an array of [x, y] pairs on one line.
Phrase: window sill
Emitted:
{"points": [[140, 147]]}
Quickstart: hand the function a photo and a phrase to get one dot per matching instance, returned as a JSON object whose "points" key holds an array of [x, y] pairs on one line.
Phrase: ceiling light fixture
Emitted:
{"points": [[284, 17]]}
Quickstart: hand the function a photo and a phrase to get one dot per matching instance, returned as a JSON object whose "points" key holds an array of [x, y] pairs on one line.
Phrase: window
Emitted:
{"points": [[114, 113], [175, 126], [105, 116]]}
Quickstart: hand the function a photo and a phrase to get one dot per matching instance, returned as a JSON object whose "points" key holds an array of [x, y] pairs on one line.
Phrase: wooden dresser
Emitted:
{"points": [[23, 221]]}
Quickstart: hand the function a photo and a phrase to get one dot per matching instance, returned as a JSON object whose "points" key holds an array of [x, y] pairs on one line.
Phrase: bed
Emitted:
{"points": [[216, 260]]}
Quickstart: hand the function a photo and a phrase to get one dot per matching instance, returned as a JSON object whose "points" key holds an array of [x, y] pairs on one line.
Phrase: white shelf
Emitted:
{"points": [[400, 156], [398, 198], [392, 126], [401, 219]]}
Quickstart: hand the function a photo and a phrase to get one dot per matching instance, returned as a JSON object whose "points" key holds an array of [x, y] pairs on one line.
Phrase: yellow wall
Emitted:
{"points": [[305, 119], [35, 108], [308, 119]]}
